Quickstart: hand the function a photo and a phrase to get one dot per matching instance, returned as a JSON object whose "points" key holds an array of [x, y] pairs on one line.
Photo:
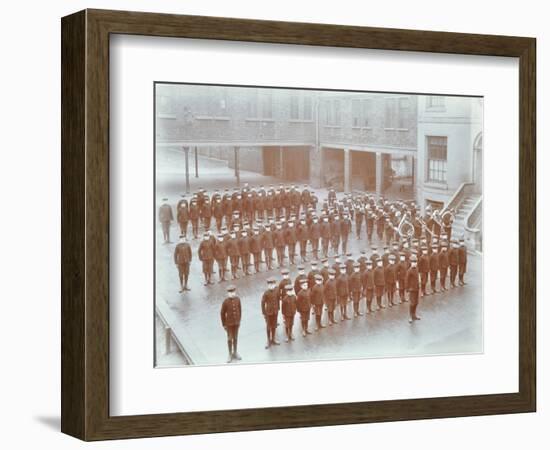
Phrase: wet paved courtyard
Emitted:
{"points": [[451, 321]]}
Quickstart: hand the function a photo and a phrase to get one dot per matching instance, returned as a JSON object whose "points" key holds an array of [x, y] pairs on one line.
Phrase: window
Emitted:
{"points": [[403, 115], [356, 113], [437, 158], [333, 117], [367, 108], [260, 105], [300, 107], [267, 105], [435, 101], [308, 107], [294, 107], [390, 118]]}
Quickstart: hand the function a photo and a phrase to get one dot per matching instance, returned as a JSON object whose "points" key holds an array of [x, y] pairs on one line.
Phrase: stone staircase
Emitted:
{"points": [[462, 211]]}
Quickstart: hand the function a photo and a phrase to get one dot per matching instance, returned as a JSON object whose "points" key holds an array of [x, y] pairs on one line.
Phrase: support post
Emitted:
{"points": [[281, 164], [237, 170], [347, 171], [196, 162], [168, 340], [187, 185], [379, 174]]}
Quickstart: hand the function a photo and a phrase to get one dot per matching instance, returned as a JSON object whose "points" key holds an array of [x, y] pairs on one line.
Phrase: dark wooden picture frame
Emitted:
{"points": [[85, 224]]}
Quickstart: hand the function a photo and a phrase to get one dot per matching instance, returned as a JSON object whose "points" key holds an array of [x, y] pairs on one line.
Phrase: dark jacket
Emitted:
{"points": [[206, 252], [165, 213], [288, 306], [231, 312], [270, 302], [317, 294], [412, 282], [182, 253]]}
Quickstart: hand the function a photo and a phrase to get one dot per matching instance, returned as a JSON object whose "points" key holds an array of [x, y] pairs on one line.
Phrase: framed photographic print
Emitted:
{"points": [[271, 224]]}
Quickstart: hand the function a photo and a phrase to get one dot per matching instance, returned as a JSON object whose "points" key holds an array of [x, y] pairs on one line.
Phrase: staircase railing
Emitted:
{"points": [[456, 199], [472, 227]]}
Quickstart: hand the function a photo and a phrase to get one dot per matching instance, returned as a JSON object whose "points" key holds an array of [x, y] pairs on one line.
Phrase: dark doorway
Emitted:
{"points": [[271, 161], [296, 163], [363, 171], [333, 168]]}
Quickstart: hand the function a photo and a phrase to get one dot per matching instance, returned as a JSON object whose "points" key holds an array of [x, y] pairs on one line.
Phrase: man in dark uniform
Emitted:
{"points": [[362, 260], [312, 274], [217, 211], [349, 264], [331, 196], [227, 206], [299, 278], [462, 260], [182, 259], [206, 213], [194, 213], [232, 250], [379, 282], [345, 230], [413, 289], [165, 219], [330, 295], [270, 310], [256, 248], [288, 309], [231, 320], [355, 285], [284, 283], [402, 268], [182, 214], [443, 267], [325, 269], [335, 233], [279, 241], [453, 262], [390, 277], [206, 255], [317, 300], [244, 251], [423, 269], [325, 235], [303, 305], [368, 285], [220, 255], [370, 225], [267, 244], [290, 240], [359, 216], [342, 290], [314, 236], [434, 268], [303, 236]]}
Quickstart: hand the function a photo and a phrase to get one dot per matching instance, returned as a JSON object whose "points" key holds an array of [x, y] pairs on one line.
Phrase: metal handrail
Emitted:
{"points": [[473, 215]]}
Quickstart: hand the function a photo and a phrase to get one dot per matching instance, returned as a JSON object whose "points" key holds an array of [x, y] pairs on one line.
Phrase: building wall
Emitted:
{"points": [[459, 120]]}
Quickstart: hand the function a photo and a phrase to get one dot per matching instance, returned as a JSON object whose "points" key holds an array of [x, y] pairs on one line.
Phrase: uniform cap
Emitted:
{"points": [[301, 267], [392, 257], [332, 272], [285, 272], [319, 277], [314, 263], [271, 280], [342, 266], [289, 287], [231, 288], [324, 260], [356, 265], [413, 257]]}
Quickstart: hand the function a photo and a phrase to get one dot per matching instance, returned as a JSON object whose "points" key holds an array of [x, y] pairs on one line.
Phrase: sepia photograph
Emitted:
{"points": [[306, 225]]}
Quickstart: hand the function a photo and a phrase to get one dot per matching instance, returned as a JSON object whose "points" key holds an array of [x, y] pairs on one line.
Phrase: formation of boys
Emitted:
{"points": [[258, 227]]}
